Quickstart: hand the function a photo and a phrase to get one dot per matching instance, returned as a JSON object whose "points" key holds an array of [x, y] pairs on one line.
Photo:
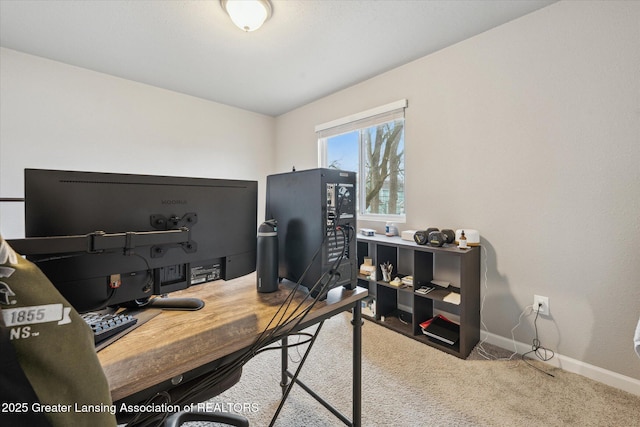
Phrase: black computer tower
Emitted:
{"points": [[316, 214]]}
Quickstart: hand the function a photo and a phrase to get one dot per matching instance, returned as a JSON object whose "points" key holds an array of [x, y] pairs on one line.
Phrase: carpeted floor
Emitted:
{"points": [[406, 383]]}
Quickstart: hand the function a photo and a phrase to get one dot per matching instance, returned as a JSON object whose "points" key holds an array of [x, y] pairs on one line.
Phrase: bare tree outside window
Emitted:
{"points": [[384, 167], [377, 154]]}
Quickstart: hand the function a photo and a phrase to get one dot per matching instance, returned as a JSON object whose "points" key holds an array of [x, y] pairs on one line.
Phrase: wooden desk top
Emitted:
{"points": [[175, 342]]}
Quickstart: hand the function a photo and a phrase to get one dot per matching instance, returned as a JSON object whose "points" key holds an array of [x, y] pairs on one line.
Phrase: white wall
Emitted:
{"points": [[56, 116], [529, 133]]}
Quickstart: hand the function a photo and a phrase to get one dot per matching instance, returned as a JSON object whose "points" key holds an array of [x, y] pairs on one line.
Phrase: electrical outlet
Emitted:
{"points": [[543, 303]]}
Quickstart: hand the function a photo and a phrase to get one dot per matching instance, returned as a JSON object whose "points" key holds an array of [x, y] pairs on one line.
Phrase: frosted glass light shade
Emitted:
{"points": [[248, 15]]}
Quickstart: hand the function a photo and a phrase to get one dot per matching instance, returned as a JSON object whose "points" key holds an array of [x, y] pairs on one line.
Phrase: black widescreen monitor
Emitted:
{"points": [[216, 220]]}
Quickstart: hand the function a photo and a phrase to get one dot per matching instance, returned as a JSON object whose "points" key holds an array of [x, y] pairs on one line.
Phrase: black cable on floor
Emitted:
{"points": [[541, 352]]}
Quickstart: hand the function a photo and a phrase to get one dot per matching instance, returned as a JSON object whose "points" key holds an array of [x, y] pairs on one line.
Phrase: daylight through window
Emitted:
{"points": [[370, 143]]}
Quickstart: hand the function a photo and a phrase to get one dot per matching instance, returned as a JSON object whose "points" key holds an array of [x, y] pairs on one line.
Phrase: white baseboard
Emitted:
{"points": [[610, 378]]}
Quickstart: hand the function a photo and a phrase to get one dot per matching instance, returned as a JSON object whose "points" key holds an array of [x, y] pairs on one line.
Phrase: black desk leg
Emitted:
{"points": [[294, 377], [357, 365], [284, 382], [357, 373]]}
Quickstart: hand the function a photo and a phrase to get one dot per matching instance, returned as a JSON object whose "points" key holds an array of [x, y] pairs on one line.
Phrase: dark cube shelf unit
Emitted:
{"points": [[403, 309]]}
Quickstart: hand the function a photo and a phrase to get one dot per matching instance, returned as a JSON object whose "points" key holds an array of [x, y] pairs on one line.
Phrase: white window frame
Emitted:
{"points": [[364, 119]]}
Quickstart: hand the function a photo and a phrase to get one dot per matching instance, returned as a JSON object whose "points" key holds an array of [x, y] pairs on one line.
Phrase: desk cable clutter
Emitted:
{"points": [[285, 319]]}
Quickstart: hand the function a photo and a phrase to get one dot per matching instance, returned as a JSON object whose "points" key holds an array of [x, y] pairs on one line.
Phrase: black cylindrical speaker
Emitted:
{"points": [[267, 257], [450, 235], [421, 237]]}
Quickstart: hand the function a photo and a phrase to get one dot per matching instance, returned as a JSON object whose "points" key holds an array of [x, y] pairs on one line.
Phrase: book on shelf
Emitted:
{"points": [[441, 283], [427, 322], [441, 329], [452, 297]]}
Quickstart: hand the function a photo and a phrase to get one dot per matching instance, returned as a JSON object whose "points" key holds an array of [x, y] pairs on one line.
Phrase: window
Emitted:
{"points": [[370, 143]]}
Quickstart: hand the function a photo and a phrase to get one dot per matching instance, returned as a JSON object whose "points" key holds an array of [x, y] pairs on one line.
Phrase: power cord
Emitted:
{"points": [[404, 322], [541, 352], [480, 347], [484, 353]]}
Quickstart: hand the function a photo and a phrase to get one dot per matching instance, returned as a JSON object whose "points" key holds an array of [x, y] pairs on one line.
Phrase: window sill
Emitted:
{"points": [[399, 219]]}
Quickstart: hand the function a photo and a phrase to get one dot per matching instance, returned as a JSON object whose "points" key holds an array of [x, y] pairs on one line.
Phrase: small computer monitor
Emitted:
{"points": [[218, 216]]}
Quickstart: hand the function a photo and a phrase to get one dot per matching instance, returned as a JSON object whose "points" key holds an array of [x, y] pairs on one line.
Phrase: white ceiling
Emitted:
{"points": [[307, 50]]}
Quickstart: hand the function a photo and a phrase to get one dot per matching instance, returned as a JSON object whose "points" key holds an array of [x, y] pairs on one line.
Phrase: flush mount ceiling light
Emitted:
{"points": [[248, 15]]}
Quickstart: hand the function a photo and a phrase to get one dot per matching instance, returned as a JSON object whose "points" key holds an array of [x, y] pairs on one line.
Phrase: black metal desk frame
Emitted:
{"points": [[287, 385]]}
